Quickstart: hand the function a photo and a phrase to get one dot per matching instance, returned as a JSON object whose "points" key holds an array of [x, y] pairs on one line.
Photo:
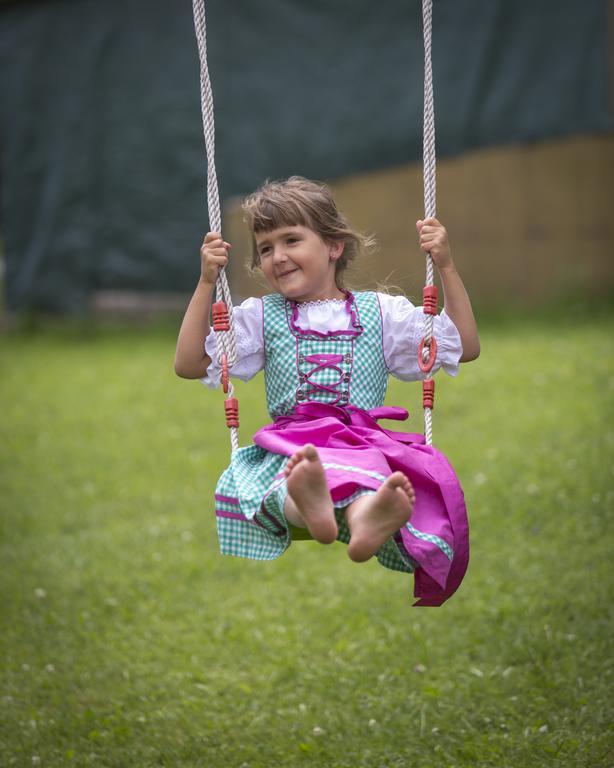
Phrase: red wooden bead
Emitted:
{"points": [[231, 406], [429, 300], [428, 393], [219, 312]]}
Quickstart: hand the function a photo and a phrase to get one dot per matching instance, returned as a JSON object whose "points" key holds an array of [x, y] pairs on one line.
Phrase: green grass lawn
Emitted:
{"points": [[127, 640]]}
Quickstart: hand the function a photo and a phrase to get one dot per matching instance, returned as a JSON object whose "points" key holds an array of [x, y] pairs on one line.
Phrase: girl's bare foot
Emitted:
{"points": [[373, 519], [308, 490]]}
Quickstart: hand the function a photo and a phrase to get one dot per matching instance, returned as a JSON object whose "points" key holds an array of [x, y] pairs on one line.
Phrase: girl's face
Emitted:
{"points": [[298, 263]]}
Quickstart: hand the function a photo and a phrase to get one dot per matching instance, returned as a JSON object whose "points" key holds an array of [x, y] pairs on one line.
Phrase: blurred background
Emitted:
{"points": [[102, 164]]}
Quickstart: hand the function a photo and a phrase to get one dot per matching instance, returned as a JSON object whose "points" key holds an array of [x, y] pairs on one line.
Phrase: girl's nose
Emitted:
{"points": [[279, 254]]}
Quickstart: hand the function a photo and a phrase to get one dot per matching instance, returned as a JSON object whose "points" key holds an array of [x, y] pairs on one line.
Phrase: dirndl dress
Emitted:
{"points": [[327, 388]]}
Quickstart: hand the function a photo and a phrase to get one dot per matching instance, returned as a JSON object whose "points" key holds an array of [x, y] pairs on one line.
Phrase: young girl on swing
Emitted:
{"points": [[324, 464]]}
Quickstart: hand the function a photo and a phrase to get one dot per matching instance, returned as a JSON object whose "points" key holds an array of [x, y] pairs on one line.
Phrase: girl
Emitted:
{"points": [[324, 463]]}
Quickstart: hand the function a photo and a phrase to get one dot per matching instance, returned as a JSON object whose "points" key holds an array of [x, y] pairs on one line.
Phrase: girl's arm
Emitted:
{"points": [[434, 240], [191, 360]]}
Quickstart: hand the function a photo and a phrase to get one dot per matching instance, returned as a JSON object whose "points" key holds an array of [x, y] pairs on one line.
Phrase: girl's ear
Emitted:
{"points": [[336, 249]]}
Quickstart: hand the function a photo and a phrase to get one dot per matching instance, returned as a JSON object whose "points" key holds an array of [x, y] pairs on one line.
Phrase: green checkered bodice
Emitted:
{"points": [[340, 368]]}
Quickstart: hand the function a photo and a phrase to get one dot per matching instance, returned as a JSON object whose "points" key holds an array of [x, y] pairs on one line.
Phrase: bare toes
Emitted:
{"points": [[309, 452], [396, 480], [292, 462]]}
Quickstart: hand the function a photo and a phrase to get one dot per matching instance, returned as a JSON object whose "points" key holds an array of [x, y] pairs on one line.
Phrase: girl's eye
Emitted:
{"points": [[291, 240], [264, 250]]}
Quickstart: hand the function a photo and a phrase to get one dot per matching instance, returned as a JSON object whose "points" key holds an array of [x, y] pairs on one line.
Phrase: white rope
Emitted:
{"points": [[226, 340], [429, 185]]}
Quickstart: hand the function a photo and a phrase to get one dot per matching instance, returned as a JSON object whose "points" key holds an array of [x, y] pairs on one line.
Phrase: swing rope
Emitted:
{"points": [[428, 347], [222, 310]]}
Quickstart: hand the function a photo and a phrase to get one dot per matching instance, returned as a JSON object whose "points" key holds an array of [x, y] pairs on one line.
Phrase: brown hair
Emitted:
{"points": [[299, 202]]}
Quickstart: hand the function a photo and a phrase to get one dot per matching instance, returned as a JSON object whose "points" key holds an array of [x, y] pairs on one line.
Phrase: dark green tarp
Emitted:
{"points": [[102, 166]]}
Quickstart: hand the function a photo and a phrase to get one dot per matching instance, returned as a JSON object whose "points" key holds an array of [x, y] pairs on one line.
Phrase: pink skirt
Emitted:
{"points": [[359, 454]]}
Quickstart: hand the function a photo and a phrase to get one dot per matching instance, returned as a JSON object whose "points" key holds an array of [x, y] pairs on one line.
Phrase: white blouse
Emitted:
{"points": [[403, 329]]}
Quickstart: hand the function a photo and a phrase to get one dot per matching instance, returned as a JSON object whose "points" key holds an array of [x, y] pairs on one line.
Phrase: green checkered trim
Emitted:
{"points": [[370, 374], [280, 376], [357, 470], [239, 493], [432, 539]]}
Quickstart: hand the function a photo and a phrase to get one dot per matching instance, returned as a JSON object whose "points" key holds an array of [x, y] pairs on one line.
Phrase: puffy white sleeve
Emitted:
{"points": [[403, 329], [250, 345]]}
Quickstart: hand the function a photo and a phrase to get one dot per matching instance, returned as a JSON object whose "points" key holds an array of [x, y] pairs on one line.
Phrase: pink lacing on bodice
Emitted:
{"points": [[322, 362]]}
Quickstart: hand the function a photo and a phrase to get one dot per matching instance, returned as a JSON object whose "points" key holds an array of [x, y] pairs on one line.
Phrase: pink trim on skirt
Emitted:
{"points": [[437, 538]]}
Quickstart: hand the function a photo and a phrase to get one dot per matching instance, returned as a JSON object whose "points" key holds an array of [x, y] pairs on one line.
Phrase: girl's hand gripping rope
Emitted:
{"points": [[434, 240], [213, 256], [191, 360]]}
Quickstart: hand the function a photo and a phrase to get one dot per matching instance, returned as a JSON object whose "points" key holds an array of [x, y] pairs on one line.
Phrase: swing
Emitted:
{"points": [[222, 309]]}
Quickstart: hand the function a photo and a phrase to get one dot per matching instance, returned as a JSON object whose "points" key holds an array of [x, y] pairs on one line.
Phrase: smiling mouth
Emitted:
{"points": [[285, 274]]}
